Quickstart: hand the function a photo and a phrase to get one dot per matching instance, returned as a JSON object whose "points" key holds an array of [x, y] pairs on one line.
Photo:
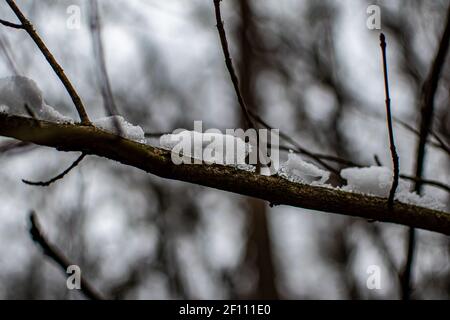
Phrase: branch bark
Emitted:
{"points": [[276, 190]]}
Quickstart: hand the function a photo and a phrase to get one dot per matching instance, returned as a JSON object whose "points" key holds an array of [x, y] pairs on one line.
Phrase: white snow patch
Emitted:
{"points": [[210, 147], [18, 91], [377, 181], [126, 129], [296, 169]]}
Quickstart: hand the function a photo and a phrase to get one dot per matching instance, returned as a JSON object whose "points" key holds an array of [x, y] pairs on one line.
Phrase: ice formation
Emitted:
{"points": [[126, 129], [210, 147], [377, 181], [18, 91], [296, 169]]}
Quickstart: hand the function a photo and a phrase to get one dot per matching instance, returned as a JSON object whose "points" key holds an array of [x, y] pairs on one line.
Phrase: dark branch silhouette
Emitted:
{"points": [[58, 177], [37, 234], [394, 155]]}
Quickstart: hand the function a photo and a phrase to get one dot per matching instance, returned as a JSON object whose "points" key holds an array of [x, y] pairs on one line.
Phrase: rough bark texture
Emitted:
{"points": [[276, 190]]}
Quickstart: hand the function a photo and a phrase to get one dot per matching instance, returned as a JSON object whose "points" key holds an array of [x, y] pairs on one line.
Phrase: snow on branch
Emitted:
{"points": [[274, 189]]}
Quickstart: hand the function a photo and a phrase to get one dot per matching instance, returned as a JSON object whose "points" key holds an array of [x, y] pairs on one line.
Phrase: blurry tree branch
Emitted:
{"points": [[394, 155], [427, 109], [56, 255], [229, 64], [276, 190], [102, 72]]}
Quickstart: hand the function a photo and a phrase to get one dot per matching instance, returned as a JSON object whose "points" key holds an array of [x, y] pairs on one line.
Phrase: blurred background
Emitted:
{"points": [[310, 68]]}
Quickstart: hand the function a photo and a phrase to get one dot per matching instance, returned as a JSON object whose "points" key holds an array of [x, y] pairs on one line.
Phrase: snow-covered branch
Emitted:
{"points": [[274, 189]]}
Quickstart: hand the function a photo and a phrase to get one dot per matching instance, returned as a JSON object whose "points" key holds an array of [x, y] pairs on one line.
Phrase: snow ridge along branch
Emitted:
{"points": [[274, 189]]}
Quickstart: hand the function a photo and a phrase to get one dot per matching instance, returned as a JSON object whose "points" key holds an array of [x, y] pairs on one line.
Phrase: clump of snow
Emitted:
{"points": [[18, 91], [211, 147], [4, 109], [124, 128], [296, 169], [377, 181]]}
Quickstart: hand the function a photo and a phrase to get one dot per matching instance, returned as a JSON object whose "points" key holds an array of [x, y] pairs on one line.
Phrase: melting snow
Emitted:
{"points": [[296, 169], [377, 181], [211, 147], [126, 129], [16, 91]]}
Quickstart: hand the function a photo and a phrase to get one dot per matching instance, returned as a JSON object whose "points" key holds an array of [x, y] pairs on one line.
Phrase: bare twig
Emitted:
{"points": [[394, 154], [58, 177], [299, 148], [29, 28], [102, 72], [229, 64], [56, 255], [11, 24], [439, 143], [434, 183], [427, 109]]}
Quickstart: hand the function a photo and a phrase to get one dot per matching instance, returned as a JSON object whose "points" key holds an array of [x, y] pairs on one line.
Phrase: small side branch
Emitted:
{"points": [[394, 154], [53, 252], [58, 177], [11, 24], [29, 28], [229, 64]]}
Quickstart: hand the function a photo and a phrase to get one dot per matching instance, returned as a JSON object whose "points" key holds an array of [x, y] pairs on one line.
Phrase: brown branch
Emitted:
{"points": [[56, 255], [29, 28], [394, 154], [11, 24], [274, 189], [229, 64], [58, 177], [427, 109]]}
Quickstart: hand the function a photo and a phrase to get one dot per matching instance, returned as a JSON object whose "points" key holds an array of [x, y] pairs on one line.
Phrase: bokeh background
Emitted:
{"points": [[310, 68]]}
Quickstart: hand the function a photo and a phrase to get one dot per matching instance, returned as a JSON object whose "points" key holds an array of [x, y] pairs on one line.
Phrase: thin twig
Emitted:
{"points": [[56, 255], [299, 149], [394, 154], [102, 72], [427, 109], [11, 24], [235, 81], [229, 64], [427, 182], [439, 143], [29, 28], [58, 177]]}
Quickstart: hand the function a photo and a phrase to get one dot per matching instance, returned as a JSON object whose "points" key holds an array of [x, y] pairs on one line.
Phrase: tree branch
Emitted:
{"points": [[29, 28], [274, 189], [51, 251], [58, 177], [394, 155], [229, 64]]}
